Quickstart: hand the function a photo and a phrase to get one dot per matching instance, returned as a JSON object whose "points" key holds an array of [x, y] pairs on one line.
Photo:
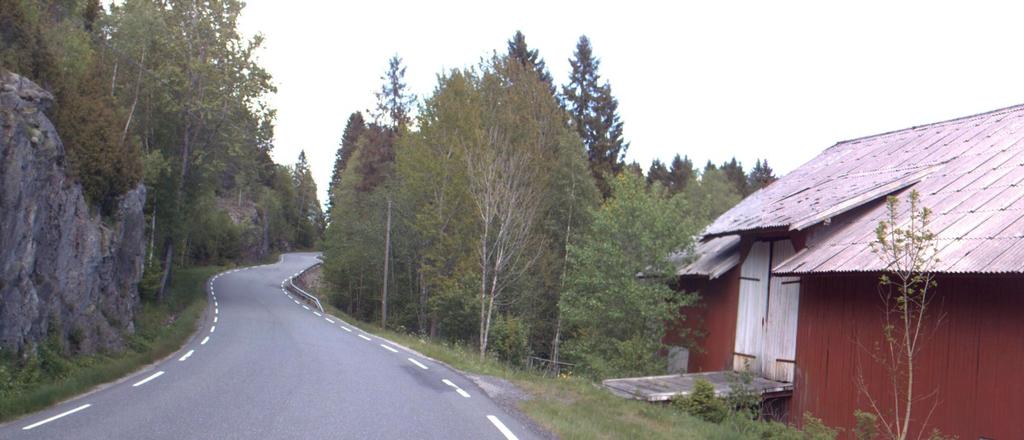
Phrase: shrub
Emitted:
{"points": [[866, 427], [702, 403], [509, 339]]}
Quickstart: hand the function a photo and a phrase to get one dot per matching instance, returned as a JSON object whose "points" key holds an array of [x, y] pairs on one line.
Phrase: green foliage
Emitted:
{"points": [[815, 429], [617, 300], [509, 339], [703, 403], [866, 426]]}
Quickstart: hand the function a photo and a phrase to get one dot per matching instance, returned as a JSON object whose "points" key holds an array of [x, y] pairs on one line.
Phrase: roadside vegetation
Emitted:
{"points": [[49, 375], [575, 407]]}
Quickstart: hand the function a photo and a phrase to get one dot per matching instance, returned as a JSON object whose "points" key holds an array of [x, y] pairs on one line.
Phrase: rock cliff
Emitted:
{"points": [[62, 266]]}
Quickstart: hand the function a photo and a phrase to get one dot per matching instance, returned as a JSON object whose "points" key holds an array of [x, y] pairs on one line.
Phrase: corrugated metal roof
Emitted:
{"points": [[969, 171], [711, 258]]}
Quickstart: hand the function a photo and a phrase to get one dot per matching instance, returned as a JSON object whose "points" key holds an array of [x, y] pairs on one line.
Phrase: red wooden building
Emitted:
{"points": [[790, 285]]}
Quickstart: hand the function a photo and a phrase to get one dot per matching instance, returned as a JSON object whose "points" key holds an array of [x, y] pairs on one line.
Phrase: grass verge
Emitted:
{"points": [[570, 407], [160, 329]]}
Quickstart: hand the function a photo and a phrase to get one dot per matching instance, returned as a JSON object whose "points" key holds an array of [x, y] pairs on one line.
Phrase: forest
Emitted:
{"points": [[167, 94], [499, 213]]}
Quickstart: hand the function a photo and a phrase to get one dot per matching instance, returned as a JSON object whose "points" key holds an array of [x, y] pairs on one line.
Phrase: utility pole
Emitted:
{"points": [[387, 256]]}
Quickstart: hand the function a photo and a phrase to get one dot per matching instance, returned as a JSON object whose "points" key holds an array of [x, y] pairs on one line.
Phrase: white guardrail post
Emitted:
{"points": [[291, 282]]}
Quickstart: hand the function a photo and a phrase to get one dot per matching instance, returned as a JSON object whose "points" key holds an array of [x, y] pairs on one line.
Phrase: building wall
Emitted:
{"points": [[714, 317], [973, 362]]}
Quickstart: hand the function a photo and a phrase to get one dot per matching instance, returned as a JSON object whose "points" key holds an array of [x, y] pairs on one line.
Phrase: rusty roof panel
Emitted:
{"points": [[969, 171]]}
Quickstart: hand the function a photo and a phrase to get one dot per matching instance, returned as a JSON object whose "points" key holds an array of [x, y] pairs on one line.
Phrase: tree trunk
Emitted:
{"points": [[168, 262]]}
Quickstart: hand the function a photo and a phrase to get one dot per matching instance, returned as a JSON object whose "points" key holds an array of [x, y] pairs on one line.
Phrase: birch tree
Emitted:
{"points": [[907, 248]]}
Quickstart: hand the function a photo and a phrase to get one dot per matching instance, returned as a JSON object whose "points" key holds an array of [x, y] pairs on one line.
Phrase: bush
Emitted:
{"points": [[509, 339], [702, 403], [866, 427]]}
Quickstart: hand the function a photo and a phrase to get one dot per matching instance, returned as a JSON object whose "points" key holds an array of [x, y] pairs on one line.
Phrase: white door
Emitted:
{"points": [[751, 308], [780, 324], [766, 313]]}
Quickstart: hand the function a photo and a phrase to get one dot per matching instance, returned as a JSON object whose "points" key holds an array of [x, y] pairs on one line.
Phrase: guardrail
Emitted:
{"points": [[296, 289]]}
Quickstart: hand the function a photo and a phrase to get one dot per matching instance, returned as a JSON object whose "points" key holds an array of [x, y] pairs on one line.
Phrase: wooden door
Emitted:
{"points": [[767, 313], [754, 274], [779, 351]]}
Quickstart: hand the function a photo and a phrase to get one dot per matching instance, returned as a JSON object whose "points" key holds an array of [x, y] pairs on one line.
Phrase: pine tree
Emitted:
{"points": [[594, 113], [530, 58], [760, 176], [354, 128], [394, 101]]}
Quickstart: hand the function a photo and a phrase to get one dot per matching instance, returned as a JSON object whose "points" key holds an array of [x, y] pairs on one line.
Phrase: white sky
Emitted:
{"points": [[712, 80]]}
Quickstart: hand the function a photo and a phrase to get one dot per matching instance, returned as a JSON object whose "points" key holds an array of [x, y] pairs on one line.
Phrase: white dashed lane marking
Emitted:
{"points": [[205, 340], [389, 348], [329, 320], [154, 376], [346, 329], [501, 427], [365, 337], [186, 356], [65, 413], [461, 392], [418, 364]]}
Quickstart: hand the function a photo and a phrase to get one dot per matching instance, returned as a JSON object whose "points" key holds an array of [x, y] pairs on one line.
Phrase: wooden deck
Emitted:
{"points": [[663, 388]]}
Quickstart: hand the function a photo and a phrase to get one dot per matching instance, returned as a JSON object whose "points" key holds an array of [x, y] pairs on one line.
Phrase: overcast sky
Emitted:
{"points": [[712, 80]]}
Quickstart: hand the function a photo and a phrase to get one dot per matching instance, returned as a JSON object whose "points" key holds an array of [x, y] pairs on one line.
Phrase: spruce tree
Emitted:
{"points": [[681, 173], [594, 113], [733, 171], [658, 173], [760, 176], [394, 101], [354, 128], [530, 58]]}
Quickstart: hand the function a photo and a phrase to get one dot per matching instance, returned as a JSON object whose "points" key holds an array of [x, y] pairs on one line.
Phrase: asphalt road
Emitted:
{"points": [[265, 365]]}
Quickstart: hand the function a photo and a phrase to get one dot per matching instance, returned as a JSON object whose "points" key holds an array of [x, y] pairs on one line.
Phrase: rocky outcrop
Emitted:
{"points": [[62, 266]]}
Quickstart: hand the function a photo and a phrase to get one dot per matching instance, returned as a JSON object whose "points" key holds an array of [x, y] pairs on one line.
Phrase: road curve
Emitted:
{"points": [[265, 365]]}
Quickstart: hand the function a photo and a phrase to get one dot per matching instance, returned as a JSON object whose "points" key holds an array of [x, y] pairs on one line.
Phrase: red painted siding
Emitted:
{"points": [[715, 316], [974, 361]]}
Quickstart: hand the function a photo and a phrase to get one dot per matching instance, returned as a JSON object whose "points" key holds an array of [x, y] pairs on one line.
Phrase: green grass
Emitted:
{"points": [[160, 329], [571, 407]]}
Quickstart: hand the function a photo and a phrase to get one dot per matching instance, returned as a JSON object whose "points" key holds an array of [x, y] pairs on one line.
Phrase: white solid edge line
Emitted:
{"points": [[501, 427], [65, 413], [365, 337], [389, 348], [186, 356], [329, 320], [205, 340], [418, 364], [346, 329], [154, 376]]}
